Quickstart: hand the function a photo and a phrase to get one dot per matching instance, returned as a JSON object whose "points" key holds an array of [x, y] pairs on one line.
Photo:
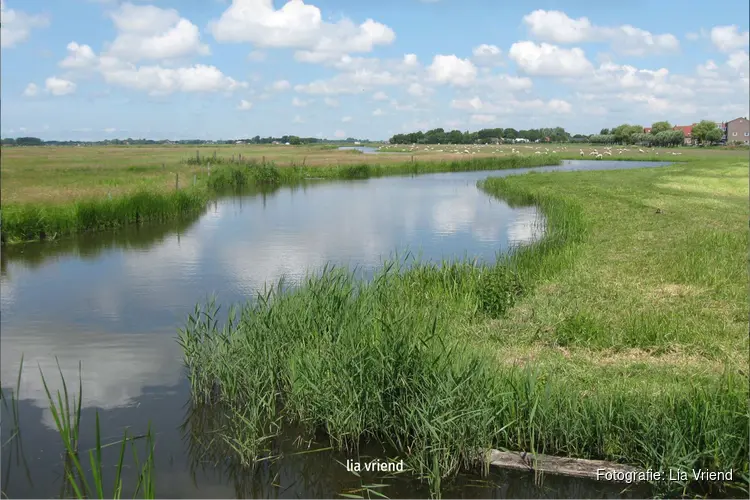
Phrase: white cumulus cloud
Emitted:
{"points": [[549, 60], [451, 69], [281, 85], [16, 25], [557, 27], [297, 25], [31, 90], [487, 55], [729, 38], [158, 80], [59, 86], [146, 32], [79, 57]]}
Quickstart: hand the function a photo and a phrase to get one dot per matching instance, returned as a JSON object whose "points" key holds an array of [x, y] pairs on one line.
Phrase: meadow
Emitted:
{"points": [[622, 335], [60, 175], [54, 192]]}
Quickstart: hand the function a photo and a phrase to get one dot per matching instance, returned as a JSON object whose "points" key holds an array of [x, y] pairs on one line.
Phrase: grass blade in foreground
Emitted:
{"points": [[78, 478]]}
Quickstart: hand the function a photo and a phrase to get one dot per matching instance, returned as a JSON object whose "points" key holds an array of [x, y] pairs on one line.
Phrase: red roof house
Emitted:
{"points": [[687, 130]]}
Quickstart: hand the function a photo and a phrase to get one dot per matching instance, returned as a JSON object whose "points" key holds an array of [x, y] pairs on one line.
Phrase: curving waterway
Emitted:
{"points": [[114, 302]]}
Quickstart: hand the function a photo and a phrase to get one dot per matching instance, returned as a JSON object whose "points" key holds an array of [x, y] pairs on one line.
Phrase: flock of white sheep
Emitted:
{"points": [[608, 152], [473, 149]]}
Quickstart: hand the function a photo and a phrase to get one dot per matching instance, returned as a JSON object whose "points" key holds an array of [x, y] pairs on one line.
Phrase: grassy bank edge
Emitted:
{"points": [[23, 223], [698, 425]]}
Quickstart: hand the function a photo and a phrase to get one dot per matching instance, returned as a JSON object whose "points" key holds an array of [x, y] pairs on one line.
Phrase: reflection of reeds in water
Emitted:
{"points": [[80, 480], [14, 441], [284, 466]]}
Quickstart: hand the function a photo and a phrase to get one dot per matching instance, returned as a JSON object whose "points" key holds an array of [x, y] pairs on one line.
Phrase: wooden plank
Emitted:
{"points": [[575, 467]]}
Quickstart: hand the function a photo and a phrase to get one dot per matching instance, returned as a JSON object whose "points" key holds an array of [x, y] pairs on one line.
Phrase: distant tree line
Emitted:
{"points": [[22, 141], [484, 136], [662, 133], [291, 139]]}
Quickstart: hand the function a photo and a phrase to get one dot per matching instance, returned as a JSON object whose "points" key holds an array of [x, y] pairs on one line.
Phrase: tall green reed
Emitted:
{"points": [[28, 222], [385, 360], [81, 481]]}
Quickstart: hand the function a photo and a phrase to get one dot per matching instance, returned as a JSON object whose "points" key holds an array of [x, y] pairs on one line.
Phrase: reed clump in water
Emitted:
{"points": [[86, 473], [389, 360], [383, 361], [38, 222]]}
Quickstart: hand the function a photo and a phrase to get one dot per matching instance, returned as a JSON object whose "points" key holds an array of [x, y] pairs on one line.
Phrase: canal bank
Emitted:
{"points": [[456, 219]]}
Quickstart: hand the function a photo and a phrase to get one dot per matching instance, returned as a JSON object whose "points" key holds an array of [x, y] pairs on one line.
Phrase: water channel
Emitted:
{"points": [[114, 302]]}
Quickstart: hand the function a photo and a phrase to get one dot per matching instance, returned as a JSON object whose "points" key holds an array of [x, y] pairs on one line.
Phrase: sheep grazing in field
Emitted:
{"points": [[599, 156], [640, 150]]}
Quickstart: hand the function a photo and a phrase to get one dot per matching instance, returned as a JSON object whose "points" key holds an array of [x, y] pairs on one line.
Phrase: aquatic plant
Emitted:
{"points": [[39, 222]]}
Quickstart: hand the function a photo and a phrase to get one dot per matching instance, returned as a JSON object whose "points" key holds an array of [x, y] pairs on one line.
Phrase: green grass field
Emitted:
{"points": [[622, 335], [59, 175], [144, 196]]}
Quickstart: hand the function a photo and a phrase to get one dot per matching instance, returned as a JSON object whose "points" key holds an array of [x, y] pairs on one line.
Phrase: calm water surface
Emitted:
{"points": [[368, 150], [114, 302]]}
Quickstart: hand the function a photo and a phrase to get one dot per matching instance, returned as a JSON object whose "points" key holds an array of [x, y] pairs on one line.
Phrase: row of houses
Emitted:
{"points": [[737, 130]]}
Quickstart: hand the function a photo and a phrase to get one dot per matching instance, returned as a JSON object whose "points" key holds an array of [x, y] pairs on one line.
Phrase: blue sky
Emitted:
{"points": [[176, 69]]}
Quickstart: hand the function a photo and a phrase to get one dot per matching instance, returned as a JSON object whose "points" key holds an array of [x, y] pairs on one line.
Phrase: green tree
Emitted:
{"points": [[705, 132], [714, 135], [28, 141], [623, 133], [604, 131], [657, 127], [455, 137], [435, 136]]}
